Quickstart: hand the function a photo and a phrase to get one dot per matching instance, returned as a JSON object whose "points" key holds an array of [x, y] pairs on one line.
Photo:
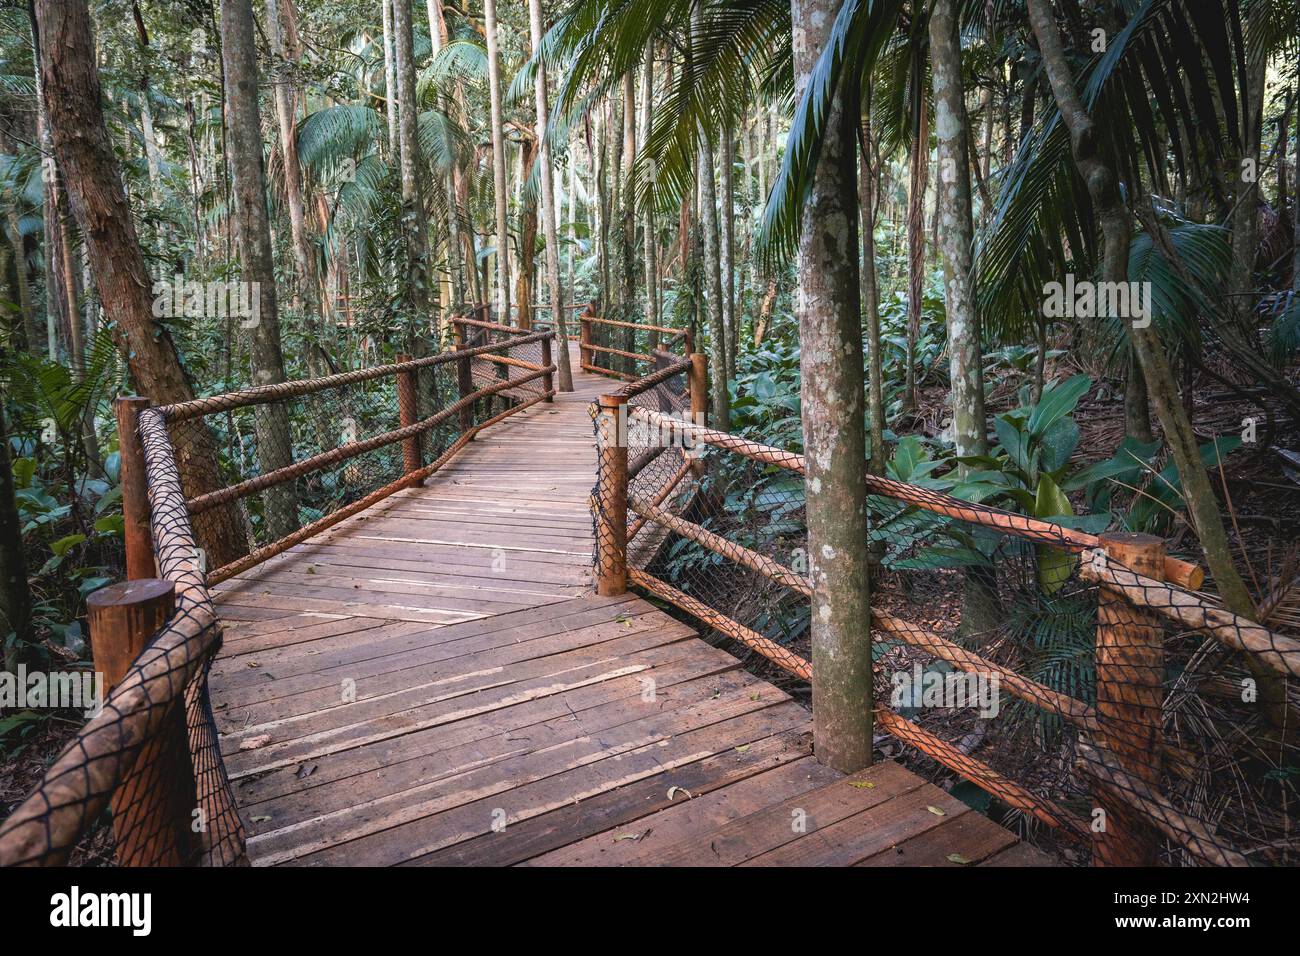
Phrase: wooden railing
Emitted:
{"points": [[152, 752], [1123, 746], [664, 343]]}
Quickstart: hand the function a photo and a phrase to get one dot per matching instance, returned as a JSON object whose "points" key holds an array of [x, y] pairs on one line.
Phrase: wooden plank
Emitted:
{"points": [[771, 827], [1022, 854], [876, 828], [714, 801], [963, 840], [668, 665], [514, 754], [427, 833]]}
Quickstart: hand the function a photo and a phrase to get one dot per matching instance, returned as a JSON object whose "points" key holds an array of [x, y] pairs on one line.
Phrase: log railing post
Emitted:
{"points": [[611, 496], [1130, 696], [135, 491], [154, 804], [407, 390], [698, 384], [584, 340], [548, 380], [465, 386]]}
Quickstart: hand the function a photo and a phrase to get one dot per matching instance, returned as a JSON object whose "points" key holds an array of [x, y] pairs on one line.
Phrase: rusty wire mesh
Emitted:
{"points": [[232, 480], [1106, 715]]}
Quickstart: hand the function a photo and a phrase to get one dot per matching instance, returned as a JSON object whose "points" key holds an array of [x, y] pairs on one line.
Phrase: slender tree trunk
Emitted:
{"points": [[957, 233], [498, 161], [649, 253], [413, 212], [390, 81], [436, 25], [830, 335], [916, 247], [253, 235], [22, 289], [558, 316], [1245, 211], [1295, 233], [627, 219], [15, 595], [454, 244], [981, 609], [871, 296], [1116, 229], [304, 259], [727, 256]]}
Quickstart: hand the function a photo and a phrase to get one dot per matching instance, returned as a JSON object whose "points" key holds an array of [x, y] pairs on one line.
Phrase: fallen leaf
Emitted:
{"points": [[865, 785], [253, 743], [631, 836], [957, 858], [254, 664], [742, 748], [260, 819], [936, 811], [673, 790], [305, 771]]}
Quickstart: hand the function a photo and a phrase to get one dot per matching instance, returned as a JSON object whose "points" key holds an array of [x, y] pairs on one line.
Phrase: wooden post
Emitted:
{"points": [[153, 805], [585, 355], [1130, 695], [407, 414], [548, 380], [135, 490], [611, 497], [698, 384], [464, 387], [457, 331]]}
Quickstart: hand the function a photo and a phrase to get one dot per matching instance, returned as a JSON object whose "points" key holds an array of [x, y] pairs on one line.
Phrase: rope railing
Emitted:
{"points": [[1150, 777], [621, 349], [150, 761]]}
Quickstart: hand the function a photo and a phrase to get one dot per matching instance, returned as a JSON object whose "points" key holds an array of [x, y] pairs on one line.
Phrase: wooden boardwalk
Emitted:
{"points": [[435, 682]]}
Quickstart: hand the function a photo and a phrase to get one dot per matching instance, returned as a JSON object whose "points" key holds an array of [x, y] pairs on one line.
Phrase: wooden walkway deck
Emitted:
{"points": [[434, 682]]}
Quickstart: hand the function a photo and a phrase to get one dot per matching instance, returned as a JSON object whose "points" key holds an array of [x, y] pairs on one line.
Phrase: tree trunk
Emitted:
{"points": [[627, 220], [649, 253], [304, 260], [498, 161], [920, 171], [1245, 211], [15, 595], [727, 256], [957, 233], [870, 297], [549, 226], [981, 609], [78, 137], [390, 81], [22, 289], [253, 236], [830, 364], [413, 213]]}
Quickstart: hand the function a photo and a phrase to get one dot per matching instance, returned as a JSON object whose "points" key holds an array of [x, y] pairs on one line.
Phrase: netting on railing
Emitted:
{"points": [[628, 350], [1092, 710], [233, 480], [151, 754]]}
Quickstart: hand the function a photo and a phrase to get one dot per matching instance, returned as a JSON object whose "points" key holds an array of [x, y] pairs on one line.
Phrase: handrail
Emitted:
{"points": [[264, 394], [171, 671], [1106, 734], [1177, 571]]}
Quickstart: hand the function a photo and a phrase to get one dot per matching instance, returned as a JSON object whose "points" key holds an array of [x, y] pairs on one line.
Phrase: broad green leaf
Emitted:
{"points": [[1054, 566]]}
